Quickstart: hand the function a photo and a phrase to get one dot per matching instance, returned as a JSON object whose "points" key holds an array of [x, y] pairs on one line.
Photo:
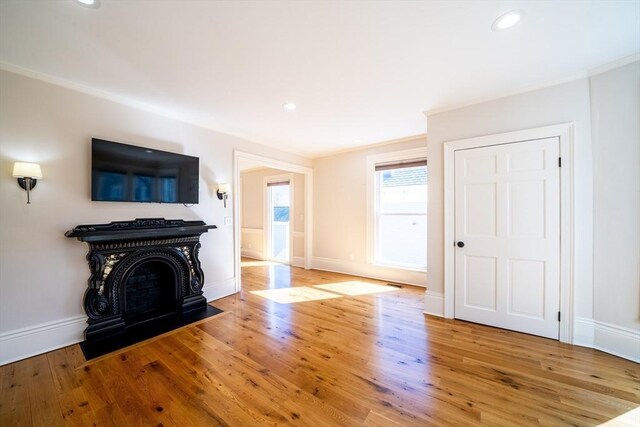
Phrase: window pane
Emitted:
{"points": [[403, 190], [280, 195], [281, 213], [402, 240]]}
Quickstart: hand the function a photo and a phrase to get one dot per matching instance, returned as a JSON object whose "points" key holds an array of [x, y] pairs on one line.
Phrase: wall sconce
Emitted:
{"points": [[28, 175], [223, 193]]}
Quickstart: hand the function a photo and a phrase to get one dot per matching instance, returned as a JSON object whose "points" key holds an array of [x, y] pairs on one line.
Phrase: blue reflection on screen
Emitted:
{"points": [[142, 188], [168, 189], [112, 186]]}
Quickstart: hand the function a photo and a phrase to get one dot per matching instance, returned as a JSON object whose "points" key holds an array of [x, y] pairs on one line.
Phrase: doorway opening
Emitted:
{"points": [[255, 219]]}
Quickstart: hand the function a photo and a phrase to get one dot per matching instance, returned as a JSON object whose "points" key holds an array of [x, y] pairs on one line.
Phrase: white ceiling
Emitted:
{"points": [[363, 70]]}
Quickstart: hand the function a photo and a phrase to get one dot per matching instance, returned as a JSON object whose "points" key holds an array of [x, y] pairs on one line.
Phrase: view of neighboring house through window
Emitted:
{"points": [[401, 214]]}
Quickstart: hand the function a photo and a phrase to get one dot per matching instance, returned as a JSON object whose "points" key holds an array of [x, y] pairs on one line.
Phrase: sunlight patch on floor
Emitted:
{"points": [[293, 295], [258, 263], [355, 288], [630, 419], [318, 292]]}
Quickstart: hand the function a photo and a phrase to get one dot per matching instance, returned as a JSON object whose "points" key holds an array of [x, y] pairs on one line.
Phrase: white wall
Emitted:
{"points": [[615, 113], [568, 102], [253, 215], [340, 214], [42, 273]]}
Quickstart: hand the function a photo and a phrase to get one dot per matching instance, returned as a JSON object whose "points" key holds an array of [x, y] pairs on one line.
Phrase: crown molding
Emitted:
{"points": [[497, 96], [374, 145], [88, 90], [615, 64], [139, 105], [592, 72]]}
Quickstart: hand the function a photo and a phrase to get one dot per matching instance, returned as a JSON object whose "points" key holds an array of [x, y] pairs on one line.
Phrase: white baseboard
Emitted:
{"points": [[583, 330], [616, 340], [219, 289], [38, 339], [434, 304], [251, 253], [297, 261], [415, 278], [622, 342]]}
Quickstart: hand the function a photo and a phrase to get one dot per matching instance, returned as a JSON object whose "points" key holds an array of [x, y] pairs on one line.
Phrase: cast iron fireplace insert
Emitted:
{"points": [[146, 279]]}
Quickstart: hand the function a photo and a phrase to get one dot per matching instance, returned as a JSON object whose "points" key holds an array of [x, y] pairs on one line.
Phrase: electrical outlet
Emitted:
{"points": [[227, 220]]}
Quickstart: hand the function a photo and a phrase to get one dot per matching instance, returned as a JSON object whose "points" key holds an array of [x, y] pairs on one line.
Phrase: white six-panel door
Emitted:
{"points": [[507, 217]]}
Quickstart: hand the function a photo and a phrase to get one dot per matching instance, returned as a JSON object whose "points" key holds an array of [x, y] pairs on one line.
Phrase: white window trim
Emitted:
{"points": [[372, 160]]}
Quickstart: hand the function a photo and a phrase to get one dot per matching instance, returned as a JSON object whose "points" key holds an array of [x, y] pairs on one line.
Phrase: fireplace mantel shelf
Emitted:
{"points": [[141, 228]]}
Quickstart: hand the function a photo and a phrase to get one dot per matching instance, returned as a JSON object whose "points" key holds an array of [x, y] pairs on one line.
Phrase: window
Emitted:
{"points": [[399, 211], [278, 213]]}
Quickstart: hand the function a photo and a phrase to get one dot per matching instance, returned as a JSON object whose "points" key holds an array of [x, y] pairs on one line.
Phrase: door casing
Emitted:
{"points": [[565, 133]]}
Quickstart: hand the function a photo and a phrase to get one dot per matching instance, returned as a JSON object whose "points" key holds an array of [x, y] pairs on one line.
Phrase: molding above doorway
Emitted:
{"points": [[565, 133]]}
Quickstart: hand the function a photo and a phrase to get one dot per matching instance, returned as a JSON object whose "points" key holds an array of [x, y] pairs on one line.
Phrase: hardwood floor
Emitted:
{"points": [[332, 359]]}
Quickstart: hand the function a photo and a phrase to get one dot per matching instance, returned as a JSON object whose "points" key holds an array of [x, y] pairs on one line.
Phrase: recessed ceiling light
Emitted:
{"points": [[94, 4], [507, 20], [289, 106], [357, 141]]}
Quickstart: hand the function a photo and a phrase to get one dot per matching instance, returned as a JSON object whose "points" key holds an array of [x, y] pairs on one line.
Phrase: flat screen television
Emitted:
{"points": [[127, 173]]}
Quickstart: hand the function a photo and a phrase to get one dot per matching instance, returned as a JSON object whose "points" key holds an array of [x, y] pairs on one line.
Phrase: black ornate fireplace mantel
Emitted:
{"points": [[141, 271], [138, 228]]}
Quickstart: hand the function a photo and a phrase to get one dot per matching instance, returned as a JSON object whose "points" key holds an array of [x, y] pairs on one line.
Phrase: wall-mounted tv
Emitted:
{"points": [[126, 173]]}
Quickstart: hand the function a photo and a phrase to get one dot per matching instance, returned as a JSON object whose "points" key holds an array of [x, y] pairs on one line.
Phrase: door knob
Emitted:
{"points": [[460, 244]]}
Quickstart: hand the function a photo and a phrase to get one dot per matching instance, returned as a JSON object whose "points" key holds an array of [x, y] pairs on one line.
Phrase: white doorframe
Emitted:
{"points": [[565, 132], [267, 243], [238, 157]]}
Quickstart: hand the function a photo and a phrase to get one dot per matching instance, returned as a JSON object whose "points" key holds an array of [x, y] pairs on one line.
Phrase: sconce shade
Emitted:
{"points": [[223, 188], [27, 170]]}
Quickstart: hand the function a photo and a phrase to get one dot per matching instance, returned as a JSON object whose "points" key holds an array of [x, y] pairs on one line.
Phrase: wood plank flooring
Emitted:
{"points": [[335, 358]]}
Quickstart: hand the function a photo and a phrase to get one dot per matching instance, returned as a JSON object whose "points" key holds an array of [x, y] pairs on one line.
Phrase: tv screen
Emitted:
{"points": [[126, 173]]}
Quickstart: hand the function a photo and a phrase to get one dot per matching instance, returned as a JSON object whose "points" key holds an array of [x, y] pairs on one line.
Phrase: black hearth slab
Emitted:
{"points": [[140, 332]]}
